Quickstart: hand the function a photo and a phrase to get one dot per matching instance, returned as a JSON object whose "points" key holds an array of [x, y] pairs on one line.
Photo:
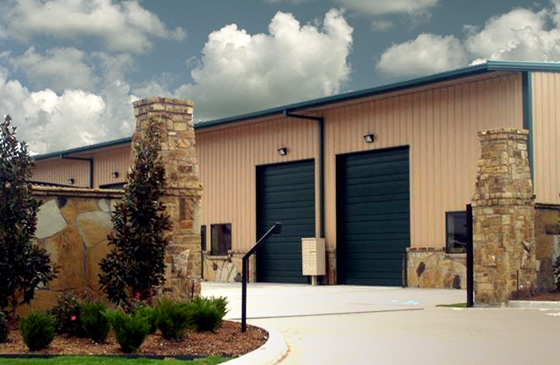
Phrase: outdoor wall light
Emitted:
{"points": [[282, 151], [71, 181], [369, 138], [115, 174]]}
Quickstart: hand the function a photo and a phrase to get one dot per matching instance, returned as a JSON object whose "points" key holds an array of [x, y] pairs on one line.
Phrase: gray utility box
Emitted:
{"points": [[313, 256]]}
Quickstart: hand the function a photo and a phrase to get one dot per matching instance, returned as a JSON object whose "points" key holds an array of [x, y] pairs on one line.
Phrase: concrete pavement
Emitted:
{"points": [[373, 325]]}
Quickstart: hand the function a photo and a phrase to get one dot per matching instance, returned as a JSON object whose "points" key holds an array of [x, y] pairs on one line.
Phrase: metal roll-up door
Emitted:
{"points": [[285, 193], [373, 216]]}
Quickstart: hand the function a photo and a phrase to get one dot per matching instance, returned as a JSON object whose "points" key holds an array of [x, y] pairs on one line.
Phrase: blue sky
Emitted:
{"points": [[69, 69]]}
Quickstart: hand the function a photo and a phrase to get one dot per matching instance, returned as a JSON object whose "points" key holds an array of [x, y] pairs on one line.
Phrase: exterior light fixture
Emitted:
{"points": [[369, 138], [71, 181], [115, 174], [282, 151]]}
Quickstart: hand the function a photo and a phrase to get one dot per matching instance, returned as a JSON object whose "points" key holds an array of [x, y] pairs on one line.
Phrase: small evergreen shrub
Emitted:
{"points": [[37, 330], [66, 313], [94, 321], [173, 318], [208, 313], [130, 329], [149, 314], [4, 328]]}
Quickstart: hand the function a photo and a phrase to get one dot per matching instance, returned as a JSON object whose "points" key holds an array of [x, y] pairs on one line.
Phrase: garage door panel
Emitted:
{"points": [[285, 193], [374, 216]]}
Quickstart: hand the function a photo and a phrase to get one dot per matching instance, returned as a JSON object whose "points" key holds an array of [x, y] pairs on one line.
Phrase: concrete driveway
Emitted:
{"points": [[375, 325]]}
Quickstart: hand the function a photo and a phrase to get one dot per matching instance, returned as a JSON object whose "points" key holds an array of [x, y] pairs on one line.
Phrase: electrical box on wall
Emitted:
{"points": [[313, 256]]}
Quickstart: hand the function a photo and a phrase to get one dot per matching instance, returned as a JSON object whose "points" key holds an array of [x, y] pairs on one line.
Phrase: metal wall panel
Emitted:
{"points": [[546, 136], [228, 158], [440, 125]]}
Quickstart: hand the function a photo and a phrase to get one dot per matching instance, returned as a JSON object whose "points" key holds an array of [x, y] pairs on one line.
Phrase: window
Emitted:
{"points": [[456, 232], [113, 186], [221, 239]]}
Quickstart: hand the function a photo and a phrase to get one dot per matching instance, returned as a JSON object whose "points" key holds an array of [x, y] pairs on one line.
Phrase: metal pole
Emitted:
{"points": [[470, 261], [275, 229], [244, 295]]}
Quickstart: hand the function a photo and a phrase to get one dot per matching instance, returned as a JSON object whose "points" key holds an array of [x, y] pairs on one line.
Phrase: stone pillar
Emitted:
{"points": [[503, 218], [182, 188]]}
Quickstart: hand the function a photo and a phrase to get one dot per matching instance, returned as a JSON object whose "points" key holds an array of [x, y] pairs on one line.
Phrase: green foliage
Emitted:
{"points": [[66, 313], [37, 330], [94, 321], [557, 273], [23, 265], [149, 314], [136, 263], [208, 313], [4, 327], [173, 318], [130, 329]]}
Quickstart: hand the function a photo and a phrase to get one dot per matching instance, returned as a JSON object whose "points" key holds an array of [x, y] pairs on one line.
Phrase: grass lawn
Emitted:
{"points": [[98, 360], [456, 305]]}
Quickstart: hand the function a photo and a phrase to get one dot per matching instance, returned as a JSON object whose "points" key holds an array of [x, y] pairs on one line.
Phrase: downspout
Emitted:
{"points": [[528, 119], [321, 162], [90, 160]]}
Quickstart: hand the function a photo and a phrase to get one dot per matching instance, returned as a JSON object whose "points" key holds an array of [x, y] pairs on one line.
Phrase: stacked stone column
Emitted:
{"points": [[183, 190], [503, 218]]}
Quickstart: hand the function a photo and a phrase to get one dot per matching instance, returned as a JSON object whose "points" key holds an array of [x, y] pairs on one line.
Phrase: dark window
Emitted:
{"points": [[221, 239], [456, 232], [203, 238]]}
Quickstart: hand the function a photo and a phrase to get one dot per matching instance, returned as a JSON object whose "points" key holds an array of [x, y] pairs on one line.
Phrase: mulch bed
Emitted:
{"points": [[227, 341]]}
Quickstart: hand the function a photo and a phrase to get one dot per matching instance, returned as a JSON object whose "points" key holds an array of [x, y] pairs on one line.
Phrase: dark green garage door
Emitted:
{"points": [[285, 193], [373, 216]]}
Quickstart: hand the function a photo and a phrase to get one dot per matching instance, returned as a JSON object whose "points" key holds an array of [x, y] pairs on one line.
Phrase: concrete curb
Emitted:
{"points": [[268, 354], [533, 304]]}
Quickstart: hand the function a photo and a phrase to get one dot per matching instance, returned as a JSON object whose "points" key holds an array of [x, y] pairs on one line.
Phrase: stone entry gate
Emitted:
{"points": [[503, 218]]}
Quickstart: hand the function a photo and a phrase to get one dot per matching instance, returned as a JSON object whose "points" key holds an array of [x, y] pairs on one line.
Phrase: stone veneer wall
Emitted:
{"points": [[431, 268], [503, 218], [183, 190], [547, 240], [72, 226]]}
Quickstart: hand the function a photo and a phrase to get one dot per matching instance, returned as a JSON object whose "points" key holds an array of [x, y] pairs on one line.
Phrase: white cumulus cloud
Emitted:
{"points": [[50, 121], [60, 68], [240, 72], [120, 25], [518, 35], [426, 54]]}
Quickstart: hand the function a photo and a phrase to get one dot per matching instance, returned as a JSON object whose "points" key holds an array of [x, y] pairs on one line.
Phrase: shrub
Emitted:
{"points": [[4, 328], [66, 313], [37, 330], [173, 318], [136, 264], [23, 265], [148, 314], [94, 321], [208, 313], [130, 330]]}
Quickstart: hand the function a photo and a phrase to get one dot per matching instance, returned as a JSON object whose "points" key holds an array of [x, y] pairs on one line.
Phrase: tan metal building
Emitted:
{"points": [[383, 175]]}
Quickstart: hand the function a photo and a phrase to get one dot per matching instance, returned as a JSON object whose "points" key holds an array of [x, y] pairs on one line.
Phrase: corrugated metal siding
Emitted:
{"points": [[107, 162], [440, 126], [228, 160], [58, 171], [546, 129]]}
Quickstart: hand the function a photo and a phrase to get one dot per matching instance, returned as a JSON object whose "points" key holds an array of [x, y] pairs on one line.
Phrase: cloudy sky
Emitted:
{"points": [[69, 69]]}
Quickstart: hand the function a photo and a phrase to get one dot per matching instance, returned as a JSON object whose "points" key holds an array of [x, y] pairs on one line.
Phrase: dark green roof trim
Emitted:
{"points": [[489, 66], [83, 149]]}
